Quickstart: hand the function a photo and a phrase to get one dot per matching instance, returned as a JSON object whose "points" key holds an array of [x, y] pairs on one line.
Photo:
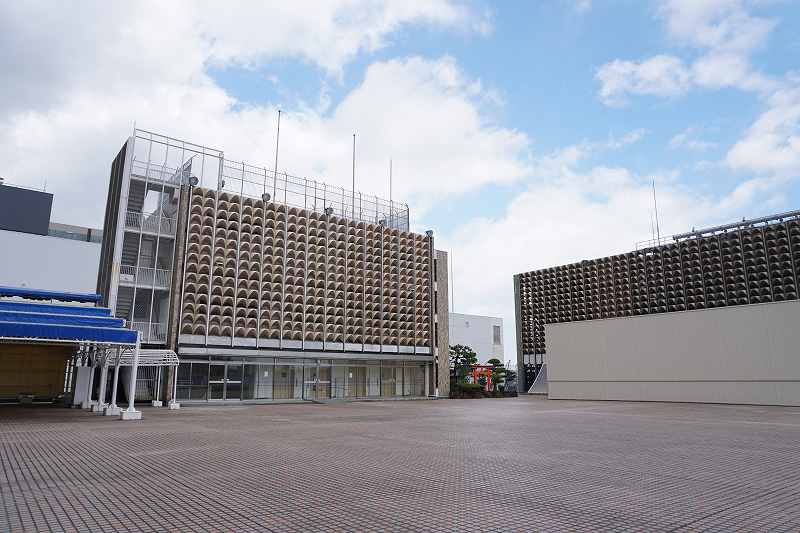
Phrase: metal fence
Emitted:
{"points": [[164, 159], [150, 332], [150, 222], [145, 277]]}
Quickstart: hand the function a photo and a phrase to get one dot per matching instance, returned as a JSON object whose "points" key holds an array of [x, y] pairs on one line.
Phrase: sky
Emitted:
{"points": [[524, 134]]}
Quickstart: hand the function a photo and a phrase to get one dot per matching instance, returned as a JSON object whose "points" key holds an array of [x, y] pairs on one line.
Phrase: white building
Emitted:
{"points": [[484, 334], [46, 255]]}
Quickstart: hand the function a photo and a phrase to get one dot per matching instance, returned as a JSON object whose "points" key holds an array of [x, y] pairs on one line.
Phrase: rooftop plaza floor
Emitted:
{"points": [[519, 464]]}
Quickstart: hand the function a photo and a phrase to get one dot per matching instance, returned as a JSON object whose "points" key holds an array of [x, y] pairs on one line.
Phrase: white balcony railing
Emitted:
{"points": [[150, 332], [150, 223], [154, 172], [144, 277]]}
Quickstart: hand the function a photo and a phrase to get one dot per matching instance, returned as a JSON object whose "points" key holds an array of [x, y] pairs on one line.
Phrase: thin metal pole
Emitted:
{"points": [[175, 385], [354, 178], [390, 182], [655, 206], [116, 382], [134, 371], [277, 145]]}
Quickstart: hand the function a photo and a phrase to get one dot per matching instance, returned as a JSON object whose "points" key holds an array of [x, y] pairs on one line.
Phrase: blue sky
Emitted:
{"points": [[541, 60], [526, 134]]}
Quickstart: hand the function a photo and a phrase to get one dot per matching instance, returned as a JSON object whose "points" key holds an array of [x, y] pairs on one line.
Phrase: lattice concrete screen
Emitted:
{"points": [[263, 270], [738, 264]]}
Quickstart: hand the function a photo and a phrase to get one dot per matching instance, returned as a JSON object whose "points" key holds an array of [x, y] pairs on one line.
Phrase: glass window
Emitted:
{"points": [[374, 379], [419, 380], [288, 379], [257, 381], [408, 380], [339, 380], [199, 381], [356, 380], [497, 339]]}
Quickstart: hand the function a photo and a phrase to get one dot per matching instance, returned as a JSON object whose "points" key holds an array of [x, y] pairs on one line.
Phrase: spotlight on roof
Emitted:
{"points": [[382, 222], [429, 233], [193, 181], [221, 184], [328, 210], [266, 197]]}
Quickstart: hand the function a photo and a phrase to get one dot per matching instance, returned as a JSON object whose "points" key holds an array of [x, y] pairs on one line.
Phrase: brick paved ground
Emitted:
{"points": [[489, 465]]}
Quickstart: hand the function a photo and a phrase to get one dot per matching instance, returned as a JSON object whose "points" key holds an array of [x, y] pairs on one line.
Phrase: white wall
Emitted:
{"points": [[744, 354], [475, 331], [50, 263]]}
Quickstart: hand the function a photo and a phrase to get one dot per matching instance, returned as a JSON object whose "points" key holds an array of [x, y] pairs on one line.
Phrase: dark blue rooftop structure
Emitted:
{"points": [[39, 294], [58, 322]]}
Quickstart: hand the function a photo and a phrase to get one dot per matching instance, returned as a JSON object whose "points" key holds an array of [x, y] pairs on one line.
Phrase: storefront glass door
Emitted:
{"points": [[216, 382]]}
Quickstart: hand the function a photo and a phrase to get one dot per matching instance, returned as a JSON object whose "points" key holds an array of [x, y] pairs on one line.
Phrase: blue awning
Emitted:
{"points": [[27, 321], [53, 309], [59, 332], [39, 294]]}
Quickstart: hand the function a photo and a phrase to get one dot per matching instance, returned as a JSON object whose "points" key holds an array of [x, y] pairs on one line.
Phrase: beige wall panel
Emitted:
{"points": [[744, 354]]}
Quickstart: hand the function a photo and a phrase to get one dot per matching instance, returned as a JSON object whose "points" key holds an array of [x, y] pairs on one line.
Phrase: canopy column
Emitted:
{"points": [[113, 409], [100, 406], [88, 402], [131, 413], [173, 402], [157, 402]]}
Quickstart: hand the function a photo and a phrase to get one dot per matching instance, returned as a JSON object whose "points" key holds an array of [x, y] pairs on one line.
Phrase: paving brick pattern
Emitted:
{"points": [[523, 464]]}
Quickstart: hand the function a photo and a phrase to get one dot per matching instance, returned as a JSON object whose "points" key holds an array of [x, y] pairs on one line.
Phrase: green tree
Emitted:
{"points": [[461, 360], [511, 377], [498, 373]]}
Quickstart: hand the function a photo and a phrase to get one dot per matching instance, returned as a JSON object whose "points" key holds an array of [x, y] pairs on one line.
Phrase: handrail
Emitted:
{"points": [[150, 222]]}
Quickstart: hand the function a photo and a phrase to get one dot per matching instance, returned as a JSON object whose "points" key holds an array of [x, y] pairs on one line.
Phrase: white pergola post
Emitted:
{"points": [[88, 402], [101, 397], [173, 402], [112, 409], [131, 413], [157, 401]]}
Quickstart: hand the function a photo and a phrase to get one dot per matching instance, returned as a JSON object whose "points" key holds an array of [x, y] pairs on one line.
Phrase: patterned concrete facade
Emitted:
{"points": [[518, 464], [442, 307]]}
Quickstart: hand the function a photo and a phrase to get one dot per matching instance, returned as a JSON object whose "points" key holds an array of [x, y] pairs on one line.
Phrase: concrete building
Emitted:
{"points": [[46, 255], [268, 286], [484, 334], [708, 316]]}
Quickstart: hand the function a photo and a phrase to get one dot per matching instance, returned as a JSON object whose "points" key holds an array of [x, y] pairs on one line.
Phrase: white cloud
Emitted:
{"points": [[71, 96], [772, 143], [688, 139], [722, 30], [719, 25], [567, 214], [580, 6], [661, 75]]}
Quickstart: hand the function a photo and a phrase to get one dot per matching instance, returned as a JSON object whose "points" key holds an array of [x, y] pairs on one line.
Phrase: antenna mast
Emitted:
{"points": [[277, 145], [655, 207]]}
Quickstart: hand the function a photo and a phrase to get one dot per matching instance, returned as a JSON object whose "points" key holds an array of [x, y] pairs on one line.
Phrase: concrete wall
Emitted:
{"points": [[746, 354], [476, 332], [42, 262], [442, 330]]}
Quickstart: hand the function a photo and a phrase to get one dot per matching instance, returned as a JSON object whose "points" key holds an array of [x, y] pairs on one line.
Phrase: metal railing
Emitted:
{"points": [[155, 172], [149, 222], [150, 332], [163, 159], [145, 277]]}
